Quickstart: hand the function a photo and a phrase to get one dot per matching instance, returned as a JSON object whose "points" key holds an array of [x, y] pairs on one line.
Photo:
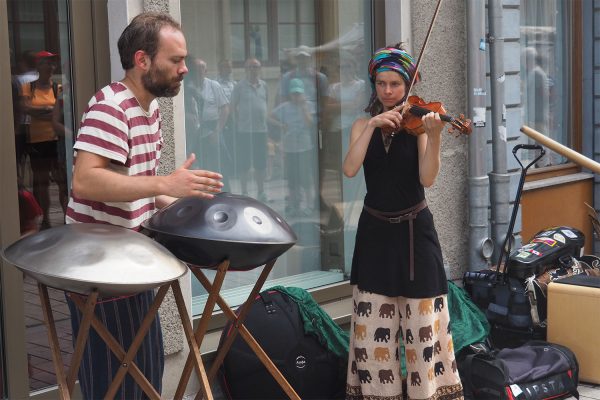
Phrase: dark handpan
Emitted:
{"points": [[205, 232], [82, 257]]}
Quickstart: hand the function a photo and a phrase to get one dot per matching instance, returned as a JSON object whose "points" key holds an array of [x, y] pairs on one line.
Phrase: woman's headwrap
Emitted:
{"points": [[392, 59]]}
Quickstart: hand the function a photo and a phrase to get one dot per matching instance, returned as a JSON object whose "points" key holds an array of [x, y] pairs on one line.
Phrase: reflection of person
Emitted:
{"points": [[256, 37], [213, 112], [114, 182], [297, 121], [399, 285], [347, 98], [537, 98], [226, 147], [249, 109], [315, 83], [30, 212], [536, 91], [26, 73], [39, 97], [349, 95]]}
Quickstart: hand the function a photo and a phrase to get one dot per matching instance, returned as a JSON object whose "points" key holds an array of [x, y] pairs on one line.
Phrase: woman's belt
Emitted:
{"points": [[396, 217]]}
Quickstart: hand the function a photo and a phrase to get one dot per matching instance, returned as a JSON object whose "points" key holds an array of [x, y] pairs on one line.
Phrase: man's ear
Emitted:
{"points": [[141, 60]]}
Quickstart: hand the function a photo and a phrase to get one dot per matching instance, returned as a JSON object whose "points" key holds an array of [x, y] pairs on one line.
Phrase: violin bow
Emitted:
{"points": [[412, 82]]}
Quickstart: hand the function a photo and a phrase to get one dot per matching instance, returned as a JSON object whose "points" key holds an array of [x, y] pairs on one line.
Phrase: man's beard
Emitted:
{"points": [[155, 82]]}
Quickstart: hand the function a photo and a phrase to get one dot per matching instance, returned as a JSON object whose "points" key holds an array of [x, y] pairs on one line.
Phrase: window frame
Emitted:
{"points": [[273, 24], [576, 106]]}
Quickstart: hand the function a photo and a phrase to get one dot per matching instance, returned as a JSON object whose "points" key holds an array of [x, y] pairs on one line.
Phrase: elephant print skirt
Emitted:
{"points": [[380, 324]]}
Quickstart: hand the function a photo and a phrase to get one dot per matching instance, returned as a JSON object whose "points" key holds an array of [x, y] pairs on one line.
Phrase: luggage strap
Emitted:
{"points": [[396, 217]]}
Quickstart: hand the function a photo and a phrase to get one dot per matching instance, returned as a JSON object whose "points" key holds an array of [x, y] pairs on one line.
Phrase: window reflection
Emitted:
{"points": [[277, 126], [42, 118], [546, 72]]}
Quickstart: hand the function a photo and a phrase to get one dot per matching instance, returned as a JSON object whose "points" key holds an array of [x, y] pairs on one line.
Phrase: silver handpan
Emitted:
{"points": [[205, 232], [82, 257]]}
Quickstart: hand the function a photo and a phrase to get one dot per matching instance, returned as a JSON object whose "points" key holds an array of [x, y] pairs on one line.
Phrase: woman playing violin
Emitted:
{"points": [[398, 278]]}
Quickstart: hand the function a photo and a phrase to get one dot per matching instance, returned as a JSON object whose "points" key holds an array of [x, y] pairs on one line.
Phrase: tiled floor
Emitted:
{"points": [[588, 392]]}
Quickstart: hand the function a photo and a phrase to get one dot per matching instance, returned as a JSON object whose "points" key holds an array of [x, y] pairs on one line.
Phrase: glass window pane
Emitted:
{"points": [[259, 42], [287, 37], [43, 180], [545, 71], [286, 11], [307, 35], [269, 150], [31, 10], [307, 11], [258, 10], [236, 10], [32, 37], [238, 47]]}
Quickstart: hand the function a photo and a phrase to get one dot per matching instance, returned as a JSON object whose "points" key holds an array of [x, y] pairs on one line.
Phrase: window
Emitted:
{"points": [[245, 117], [547, 84], [265, 29]]}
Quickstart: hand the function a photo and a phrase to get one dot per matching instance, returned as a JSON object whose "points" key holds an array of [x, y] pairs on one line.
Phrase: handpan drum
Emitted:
{"points": [[83, 257], [204, 232]]}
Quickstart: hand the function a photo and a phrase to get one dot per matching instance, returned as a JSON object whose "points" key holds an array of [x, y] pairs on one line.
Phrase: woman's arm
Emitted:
{"points": [[360, 136], [429, 145]]}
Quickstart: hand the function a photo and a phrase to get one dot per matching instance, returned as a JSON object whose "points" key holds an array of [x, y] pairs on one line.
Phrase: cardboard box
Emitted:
{"points": [[574, 321]]}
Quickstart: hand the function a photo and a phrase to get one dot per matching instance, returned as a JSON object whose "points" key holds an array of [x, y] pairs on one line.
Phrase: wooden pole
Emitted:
{"points": [[553, 145]]}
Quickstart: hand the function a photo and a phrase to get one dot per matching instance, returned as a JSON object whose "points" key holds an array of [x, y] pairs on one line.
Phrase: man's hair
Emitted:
{"points": [[142, 34]]}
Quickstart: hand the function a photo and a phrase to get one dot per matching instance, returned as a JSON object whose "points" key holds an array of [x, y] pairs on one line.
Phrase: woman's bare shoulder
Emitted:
{"points": [[360, 123]]}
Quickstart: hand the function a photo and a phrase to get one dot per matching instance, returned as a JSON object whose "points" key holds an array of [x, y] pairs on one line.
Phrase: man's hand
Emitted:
{"points": [[184, 182]]}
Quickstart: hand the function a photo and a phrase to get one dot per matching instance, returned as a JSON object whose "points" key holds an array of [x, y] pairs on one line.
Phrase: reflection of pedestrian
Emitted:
{"points": [[315, 83], [537, 92], [537, 98], [118, 149], [397, 268], [213, 111], [347, 98], [27, 73], [226, 148], [257, 39], [30, 212], [39, 97], [297, 120], [249, 109]]}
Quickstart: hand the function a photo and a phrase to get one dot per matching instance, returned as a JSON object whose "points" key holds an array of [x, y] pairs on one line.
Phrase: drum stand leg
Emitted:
{"points": [[65, 385], [126, 358], [127, 365], [192, 343], [238, 325], [200, 332]]}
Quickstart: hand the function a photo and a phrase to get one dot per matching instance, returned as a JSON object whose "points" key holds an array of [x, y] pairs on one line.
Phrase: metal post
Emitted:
{"points": [[480, 245], [499, 178]]}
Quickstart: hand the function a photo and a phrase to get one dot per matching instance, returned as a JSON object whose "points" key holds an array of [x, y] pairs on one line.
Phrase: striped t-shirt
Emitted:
{"points": [[116, 127]]}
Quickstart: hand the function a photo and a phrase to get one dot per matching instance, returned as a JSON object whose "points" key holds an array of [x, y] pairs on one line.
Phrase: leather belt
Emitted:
{"points": [[396, 217]]}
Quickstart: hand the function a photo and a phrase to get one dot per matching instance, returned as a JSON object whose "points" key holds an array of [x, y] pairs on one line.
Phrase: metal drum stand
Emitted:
{"points": [[229, 232], [93, 260], [237, 326]]}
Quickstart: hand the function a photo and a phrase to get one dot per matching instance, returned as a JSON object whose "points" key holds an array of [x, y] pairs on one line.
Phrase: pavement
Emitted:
{"points": [[41, 370]]}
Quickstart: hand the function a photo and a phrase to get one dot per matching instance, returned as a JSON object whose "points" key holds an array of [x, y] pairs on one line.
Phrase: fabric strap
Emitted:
{"points": [[396, 217]]}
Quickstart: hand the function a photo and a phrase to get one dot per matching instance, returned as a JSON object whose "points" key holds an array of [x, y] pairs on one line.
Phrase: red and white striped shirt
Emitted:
{"points": [[115, 126]]}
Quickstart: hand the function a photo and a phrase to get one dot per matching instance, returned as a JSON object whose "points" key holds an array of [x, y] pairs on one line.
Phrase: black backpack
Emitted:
{"points": [[538, 370], [311, 369]]}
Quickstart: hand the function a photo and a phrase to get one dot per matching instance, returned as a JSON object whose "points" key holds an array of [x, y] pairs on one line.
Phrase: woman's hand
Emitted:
{"points": [[389, 119], [433, 125]]}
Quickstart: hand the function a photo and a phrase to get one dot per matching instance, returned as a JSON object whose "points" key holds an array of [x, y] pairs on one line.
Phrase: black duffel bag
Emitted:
{"points": [[304, 360], [537, 370]]}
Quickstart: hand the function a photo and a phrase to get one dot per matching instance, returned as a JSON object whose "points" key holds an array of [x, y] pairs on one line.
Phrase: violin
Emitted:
{"points": [[415, 108]]}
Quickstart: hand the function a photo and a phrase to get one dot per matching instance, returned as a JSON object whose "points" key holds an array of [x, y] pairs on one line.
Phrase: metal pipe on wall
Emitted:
{"points": [[480, 245], [499, 178]]}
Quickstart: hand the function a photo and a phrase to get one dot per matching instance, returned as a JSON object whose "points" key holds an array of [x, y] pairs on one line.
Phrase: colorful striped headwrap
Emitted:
{"points": [[392, 59]]}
